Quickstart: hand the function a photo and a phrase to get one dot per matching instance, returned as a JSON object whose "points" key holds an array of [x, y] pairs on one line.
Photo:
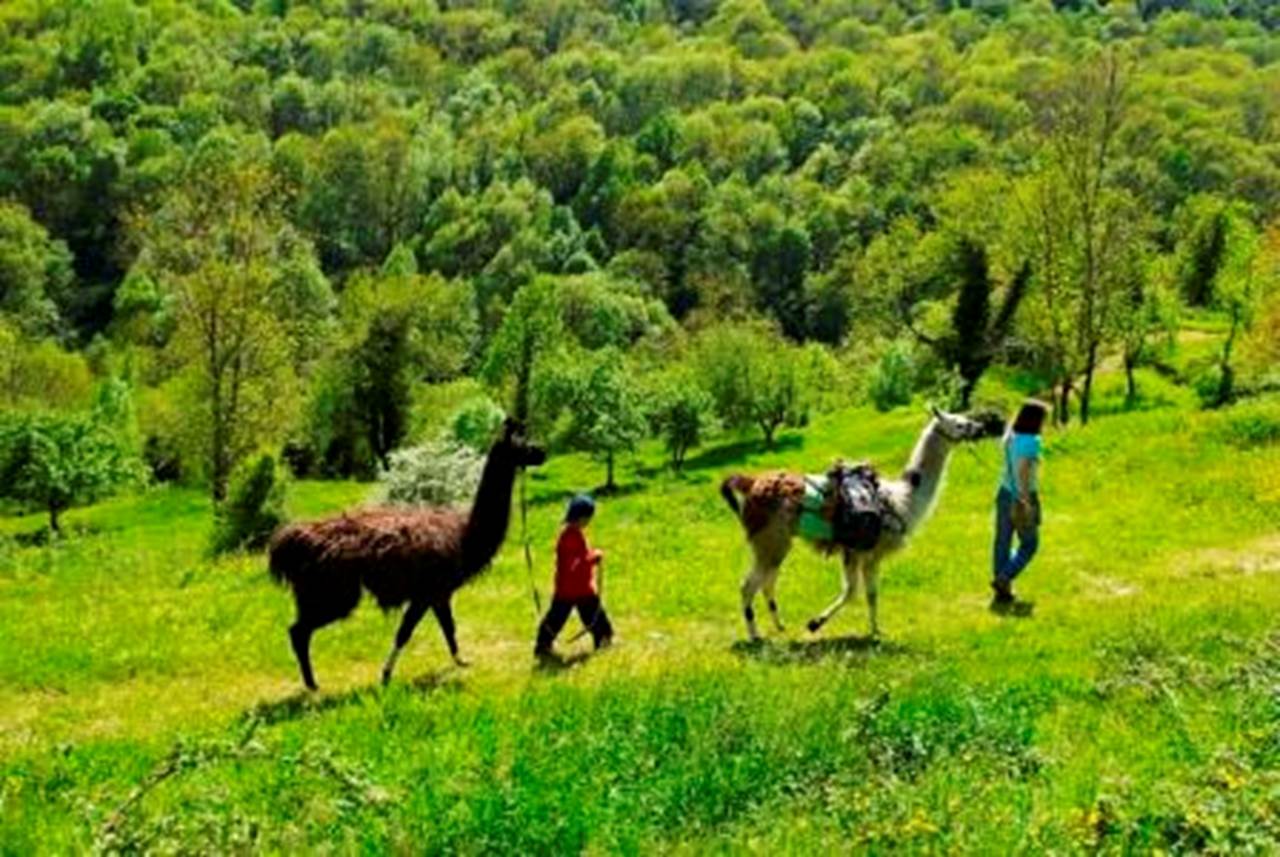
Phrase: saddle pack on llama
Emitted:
{"points": [[843, 507]]}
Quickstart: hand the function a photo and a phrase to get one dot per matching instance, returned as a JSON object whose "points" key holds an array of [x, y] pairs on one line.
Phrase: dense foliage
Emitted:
{"points": [[277, 220]]}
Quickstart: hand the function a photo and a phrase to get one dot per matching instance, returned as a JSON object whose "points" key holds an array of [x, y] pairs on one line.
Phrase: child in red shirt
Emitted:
{"points": [[576, 566]]}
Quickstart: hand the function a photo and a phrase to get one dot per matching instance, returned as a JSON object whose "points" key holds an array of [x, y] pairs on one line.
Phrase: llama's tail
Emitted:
{"points": [[731, 487], [289, 554]]}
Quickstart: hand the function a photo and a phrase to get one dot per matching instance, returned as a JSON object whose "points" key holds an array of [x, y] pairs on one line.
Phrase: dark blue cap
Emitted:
{"points": [[580, 507]]}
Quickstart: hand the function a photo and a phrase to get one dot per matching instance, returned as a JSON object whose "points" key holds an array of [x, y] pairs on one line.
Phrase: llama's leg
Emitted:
{"points": [[849, 587], [412, 616], [770, 584], [300, 637], [871, 581], [444, 615], [750, 586], [327, 600]]}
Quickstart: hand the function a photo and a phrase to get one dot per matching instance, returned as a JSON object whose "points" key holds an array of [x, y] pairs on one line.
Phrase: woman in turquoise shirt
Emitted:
{"points": [[1018, 501]]}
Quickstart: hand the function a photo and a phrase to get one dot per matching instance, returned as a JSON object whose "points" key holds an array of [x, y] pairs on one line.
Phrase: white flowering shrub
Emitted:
{"points": [[433, 474]]}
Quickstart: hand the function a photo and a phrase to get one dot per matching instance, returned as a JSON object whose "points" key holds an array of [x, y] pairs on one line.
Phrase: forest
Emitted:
{"points": [[332, 230]]}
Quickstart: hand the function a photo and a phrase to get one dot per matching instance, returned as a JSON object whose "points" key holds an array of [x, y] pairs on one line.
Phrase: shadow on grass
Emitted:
{"points": [[43, 537], [731, 453], [1015, 610], [304, 703], [783, 652], [626, 489], [555, 663]]}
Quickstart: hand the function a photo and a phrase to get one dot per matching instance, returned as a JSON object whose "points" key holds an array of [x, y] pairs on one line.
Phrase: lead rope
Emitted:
{"points": [[528, 555]]}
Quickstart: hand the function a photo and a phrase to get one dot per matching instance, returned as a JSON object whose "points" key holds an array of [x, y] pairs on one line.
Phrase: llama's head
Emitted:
{"points": [[968, 427], [514, 444]]}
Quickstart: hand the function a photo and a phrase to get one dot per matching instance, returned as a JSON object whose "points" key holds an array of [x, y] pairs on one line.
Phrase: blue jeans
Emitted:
{"points": [[1009, 563]]}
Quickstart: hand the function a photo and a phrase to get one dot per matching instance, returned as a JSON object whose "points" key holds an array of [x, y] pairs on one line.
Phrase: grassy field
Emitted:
{"points": [[149, 700]]}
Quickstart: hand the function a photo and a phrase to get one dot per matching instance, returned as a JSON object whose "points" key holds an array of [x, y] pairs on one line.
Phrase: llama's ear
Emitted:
{"points": [[934, 412]]}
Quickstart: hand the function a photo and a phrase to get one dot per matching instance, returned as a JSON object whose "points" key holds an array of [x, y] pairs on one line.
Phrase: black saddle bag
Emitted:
{"points": [[858, 518]]}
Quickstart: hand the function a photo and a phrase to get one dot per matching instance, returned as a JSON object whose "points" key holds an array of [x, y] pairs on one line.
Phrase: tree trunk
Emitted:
{"points": [[1086, 394], [219, 460], [1131, 384], [524, 375], [1226, 387], [768, 429], [608, 482], [54, 524], [1064, 403], [966, 392]]}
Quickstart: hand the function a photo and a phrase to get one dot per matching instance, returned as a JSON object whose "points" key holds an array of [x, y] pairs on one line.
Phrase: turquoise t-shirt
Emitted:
{"points": [[1017, 448]]}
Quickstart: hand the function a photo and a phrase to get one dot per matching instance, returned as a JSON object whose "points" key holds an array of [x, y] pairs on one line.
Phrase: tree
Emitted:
{"points": [[778, 270], [599, 310], [561, 157], [396, 328], [682, 414], [1083, 225], [1237, 289], [371, 188], [753, 376], [380, 387], [531, 331], [605, 407], [35, 272], [35, 374], [63, 169], [778, 394], [1147, 305], [55, 461], [216, 243], [1203, 250], [974, 336], [1264, 344]]}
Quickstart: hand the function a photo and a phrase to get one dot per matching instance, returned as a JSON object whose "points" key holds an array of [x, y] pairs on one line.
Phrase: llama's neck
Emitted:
{"points": [[490, 515], [925, 472]]}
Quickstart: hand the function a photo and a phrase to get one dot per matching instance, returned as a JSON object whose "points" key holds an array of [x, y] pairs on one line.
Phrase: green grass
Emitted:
{"points": [[1136, 709]]}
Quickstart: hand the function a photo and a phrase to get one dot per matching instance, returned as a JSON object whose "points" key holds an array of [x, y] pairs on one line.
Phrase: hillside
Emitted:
{"points": [[1134, 709]]}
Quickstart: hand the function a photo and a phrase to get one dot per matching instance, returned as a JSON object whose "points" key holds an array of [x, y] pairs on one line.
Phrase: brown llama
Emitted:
{"points": [[418, 557]]}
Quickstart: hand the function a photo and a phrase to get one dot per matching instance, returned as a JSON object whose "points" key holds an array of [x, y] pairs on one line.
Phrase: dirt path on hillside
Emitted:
{"points": [[1259, 556]]}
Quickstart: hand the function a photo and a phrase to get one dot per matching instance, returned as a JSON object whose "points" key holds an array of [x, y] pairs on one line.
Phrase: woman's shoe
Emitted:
{"points": [[1004, 593]]}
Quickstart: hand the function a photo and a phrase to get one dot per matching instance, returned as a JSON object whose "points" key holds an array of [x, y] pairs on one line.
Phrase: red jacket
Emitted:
{"points": [[575, 565]]}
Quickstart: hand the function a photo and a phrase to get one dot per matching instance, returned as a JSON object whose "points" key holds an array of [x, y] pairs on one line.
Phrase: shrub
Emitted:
{"points": [[892, 377], [433, 474], [1208, 383], [1252, 425], [476, 424], [254, 507]]}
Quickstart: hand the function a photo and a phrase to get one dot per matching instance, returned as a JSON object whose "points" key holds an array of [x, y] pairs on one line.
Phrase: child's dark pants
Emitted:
{"points": [[589, 610]]}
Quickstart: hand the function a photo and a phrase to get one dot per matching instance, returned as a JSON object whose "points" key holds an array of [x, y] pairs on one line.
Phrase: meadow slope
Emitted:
{"points": [[149, 700]]}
